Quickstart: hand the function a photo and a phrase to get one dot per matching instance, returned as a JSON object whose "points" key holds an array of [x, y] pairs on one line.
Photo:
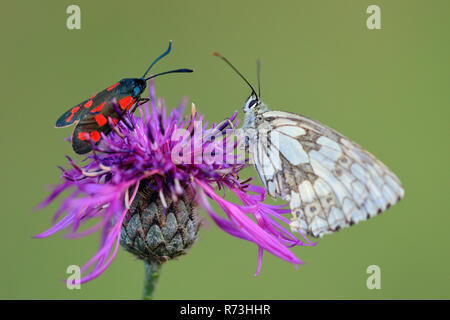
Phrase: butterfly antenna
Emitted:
{"points": [[165, 53], [258, 74], [236, 70], [184, 70]]}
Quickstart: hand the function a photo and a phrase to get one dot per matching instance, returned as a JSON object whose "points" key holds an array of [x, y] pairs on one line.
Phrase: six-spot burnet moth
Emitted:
{"points": [[105, 109]]}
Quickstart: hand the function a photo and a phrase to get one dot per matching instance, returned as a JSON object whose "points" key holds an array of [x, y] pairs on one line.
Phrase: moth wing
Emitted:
{"points": [[329, 181], [72, 115], [89, 131], [96, 121], [91, 105]]}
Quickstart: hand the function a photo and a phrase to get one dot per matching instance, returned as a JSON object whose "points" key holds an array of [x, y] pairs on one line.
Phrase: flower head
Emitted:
{"points": [[173, 156]]}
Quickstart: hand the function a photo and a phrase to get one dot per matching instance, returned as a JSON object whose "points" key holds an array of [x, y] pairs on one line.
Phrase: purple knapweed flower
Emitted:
{"points": [[171, 156]]}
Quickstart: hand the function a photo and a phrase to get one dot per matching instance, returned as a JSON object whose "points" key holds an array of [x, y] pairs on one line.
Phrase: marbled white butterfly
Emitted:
{"points": [[329, 180]]}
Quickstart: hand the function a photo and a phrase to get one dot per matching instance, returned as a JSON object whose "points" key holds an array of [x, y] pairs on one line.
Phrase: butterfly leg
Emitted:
{"points": [[225, 123], [220, 127]]}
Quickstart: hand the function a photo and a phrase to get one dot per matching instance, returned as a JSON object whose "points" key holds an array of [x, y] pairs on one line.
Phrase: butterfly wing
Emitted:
{"points": [[329, 181]]}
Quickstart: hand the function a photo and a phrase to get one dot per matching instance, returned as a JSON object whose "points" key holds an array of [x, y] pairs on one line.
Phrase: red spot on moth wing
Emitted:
{"points": [[88, 104], [113, 86], [124, 102], [93, 96], [101, 120], [95, 135], [82, 135], [99, 108], [114, 120], [74, 110]]}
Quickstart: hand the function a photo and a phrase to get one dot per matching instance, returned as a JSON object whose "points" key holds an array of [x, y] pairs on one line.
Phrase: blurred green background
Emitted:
{"points": [[387, 89]]}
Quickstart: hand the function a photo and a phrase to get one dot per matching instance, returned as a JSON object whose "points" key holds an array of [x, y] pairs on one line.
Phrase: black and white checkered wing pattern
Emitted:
{"points": [[329, 181]]}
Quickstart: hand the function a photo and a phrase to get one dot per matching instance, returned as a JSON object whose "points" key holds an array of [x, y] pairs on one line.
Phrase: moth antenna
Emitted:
{"points": [[237, 71], [184, 70], [165, 53]]}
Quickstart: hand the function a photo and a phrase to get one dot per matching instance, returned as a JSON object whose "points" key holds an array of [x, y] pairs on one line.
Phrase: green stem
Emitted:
{"points": [[151, 278]]}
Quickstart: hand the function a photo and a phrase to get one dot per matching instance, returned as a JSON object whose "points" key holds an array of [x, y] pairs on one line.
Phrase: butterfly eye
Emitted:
{"points": [[252, 103]]}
